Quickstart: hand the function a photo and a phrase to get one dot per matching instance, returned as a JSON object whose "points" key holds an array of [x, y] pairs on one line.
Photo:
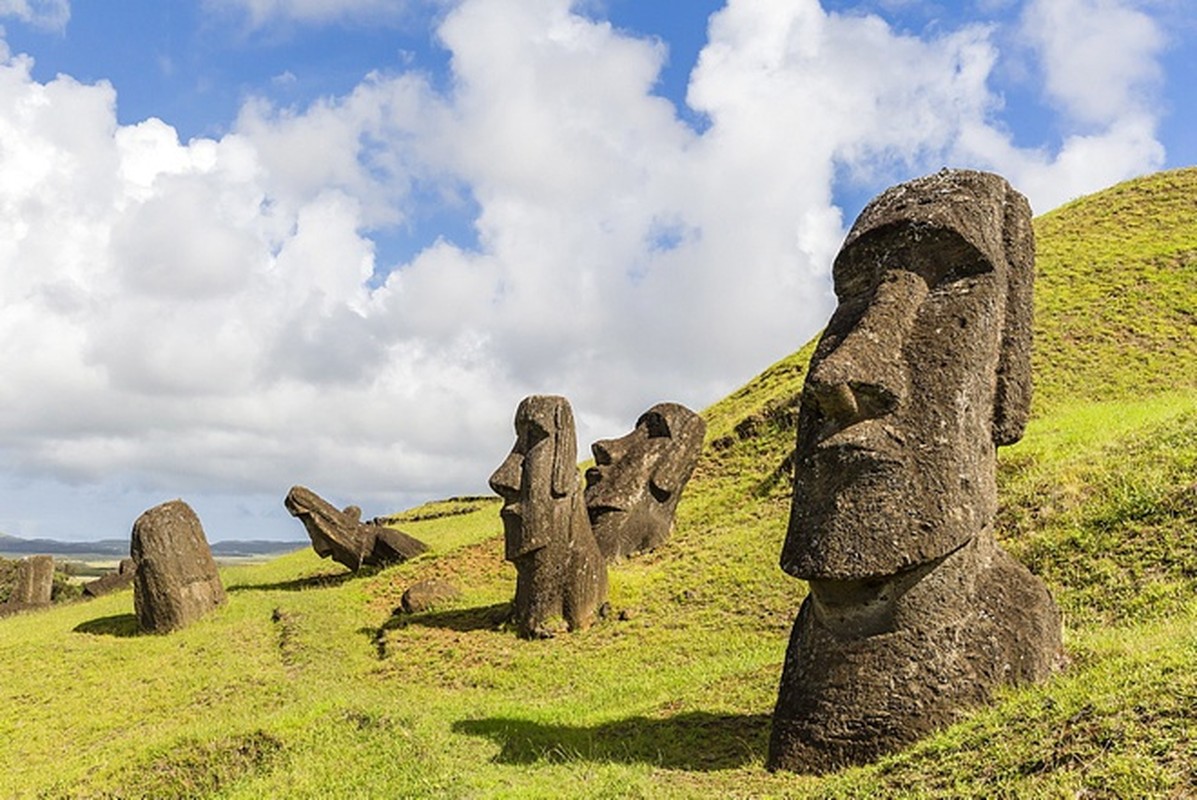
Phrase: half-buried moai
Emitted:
{"points": [[632, 491], [342, 536], [560, 571], [34, 585], [175, 580], [914, 612]]}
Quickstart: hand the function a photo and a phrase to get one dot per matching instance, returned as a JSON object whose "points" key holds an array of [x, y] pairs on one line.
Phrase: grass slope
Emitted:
{"points": [[306, 685]]}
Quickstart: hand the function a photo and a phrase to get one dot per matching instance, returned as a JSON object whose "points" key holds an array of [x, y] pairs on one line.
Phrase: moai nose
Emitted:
{"points": [[505, 481], [865, 376]]}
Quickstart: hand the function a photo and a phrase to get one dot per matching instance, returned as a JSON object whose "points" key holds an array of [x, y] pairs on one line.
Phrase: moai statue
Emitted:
{"points": [[34, 584], [914, 612], [113, 581], [559, 569], [175, 580], [632, 491], [343, 536]]}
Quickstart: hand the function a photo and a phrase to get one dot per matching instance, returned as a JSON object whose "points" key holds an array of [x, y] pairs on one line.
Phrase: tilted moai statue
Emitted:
{"points": [[632, 491], [343, 536], [175, 581], [34, 585], [559, 568], [914, 612]]}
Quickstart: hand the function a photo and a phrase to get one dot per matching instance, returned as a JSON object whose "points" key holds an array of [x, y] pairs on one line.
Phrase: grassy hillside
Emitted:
{"points": [[306, 685]]}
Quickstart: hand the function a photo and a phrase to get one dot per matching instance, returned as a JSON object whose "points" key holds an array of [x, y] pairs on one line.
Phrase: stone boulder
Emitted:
{"points": [[428, 594], [175, 580]]}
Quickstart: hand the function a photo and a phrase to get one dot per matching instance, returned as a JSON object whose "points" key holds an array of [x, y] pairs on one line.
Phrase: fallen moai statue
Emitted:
{"points": [[560, 571], [175, 579], [633, 489], [342, 536], [914, 612], [113, 581]]}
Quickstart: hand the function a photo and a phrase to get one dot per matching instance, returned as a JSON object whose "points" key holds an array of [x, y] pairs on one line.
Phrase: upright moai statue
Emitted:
{"points": [[175, 580], [559, 568], [34, 584], [342, 536], [632, 491], [914, 612]]}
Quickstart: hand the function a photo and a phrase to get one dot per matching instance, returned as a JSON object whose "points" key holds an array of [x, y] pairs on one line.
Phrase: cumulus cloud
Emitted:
{"points": [[210, 316]]}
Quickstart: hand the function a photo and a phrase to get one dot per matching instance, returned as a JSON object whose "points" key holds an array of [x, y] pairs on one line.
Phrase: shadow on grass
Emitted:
{"points": [[462, 620], [696, 741], [117, 625], [321, 581]]}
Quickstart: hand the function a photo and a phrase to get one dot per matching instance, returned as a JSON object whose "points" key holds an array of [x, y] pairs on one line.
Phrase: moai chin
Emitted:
{"points": [[546, 532], [632, 491], [914, 612]]}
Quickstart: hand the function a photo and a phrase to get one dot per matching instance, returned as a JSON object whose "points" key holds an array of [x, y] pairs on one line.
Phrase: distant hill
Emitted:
{"points": [[119, 548]]}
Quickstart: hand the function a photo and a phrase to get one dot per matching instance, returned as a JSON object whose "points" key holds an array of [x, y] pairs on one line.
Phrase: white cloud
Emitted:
{"points": [[196, 317], [1100, 57], [260, 13], [50, 14]]}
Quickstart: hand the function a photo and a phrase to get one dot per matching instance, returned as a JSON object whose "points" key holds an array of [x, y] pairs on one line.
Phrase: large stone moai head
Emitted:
{"points": [[546, 533], [924, 368], [632, 491], [175, 579]]}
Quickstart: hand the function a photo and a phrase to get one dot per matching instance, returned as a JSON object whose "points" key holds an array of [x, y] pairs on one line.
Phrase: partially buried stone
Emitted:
{"points": [[34, 584], [428, 594], [342, 536], [113, 581], [914, 612], [175, 581]]}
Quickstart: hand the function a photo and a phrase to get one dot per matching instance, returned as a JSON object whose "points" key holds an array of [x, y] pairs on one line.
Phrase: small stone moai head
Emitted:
{"points": [[923, 369], [538, 480], [632, 491], [546, 533]]}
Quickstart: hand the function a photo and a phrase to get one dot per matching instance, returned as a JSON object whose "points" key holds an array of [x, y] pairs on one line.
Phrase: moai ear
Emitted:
{"points": [[565, 450], [1012, 398], [686, 440]]}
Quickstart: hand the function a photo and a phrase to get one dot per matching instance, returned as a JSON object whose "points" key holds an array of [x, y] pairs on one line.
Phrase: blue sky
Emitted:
{"points": [[251, 243]]}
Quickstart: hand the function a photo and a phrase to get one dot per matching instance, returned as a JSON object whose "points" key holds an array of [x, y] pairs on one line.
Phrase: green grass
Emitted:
{"points": [[306, 685]]}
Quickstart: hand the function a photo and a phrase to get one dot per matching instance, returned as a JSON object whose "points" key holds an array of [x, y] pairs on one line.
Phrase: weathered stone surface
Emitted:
{"points": [[342, 536], [633, 489], [428, 594], [914, 612], [560, 570], [113, 581], [34, 585], [175, 580]]}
